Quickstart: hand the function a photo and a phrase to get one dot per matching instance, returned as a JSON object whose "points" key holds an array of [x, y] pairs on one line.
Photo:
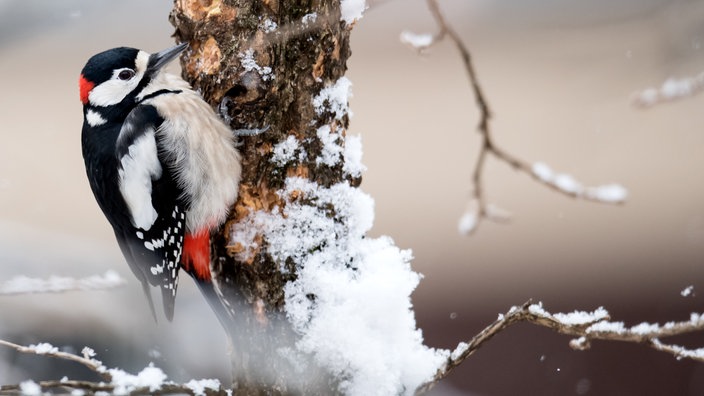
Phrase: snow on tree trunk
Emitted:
{"points": [[316, 308]]}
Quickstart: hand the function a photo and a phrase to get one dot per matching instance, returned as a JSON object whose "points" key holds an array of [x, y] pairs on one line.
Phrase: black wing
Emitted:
{"points": [[152, 246]]}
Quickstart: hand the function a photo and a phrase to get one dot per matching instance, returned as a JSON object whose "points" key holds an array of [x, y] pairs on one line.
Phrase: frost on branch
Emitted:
{"points": [[57, 284], [417, 41], [672, 89], [365, 332], [607, 193], [585, 327], [687, 291], [149, 380]]}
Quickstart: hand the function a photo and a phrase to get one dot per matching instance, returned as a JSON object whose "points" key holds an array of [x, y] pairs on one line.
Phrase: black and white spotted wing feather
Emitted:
{"points": [[153, 200]]}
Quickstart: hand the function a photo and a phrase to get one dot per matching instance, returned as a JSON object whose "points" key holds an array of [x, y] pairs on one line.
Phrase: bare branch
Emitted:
{"points": [[586, 327], [479, 208]]}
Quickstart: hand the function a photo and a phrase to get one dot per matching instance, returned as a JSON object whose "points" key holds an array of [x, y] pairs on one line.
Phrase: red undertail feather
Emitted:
{"points": [[196, 255]]}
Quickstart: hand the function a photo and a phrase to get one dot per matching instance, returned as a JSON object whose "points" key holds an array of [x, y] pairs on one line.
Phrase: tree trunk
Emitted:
{"points": [[262, 63]]}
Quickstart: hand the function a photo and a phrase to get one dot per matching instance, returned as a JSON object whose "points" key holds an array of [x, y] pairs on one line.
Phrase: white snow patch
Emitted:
{"points": [[543, 172], [648, 97], [150, 377], [200, 386], [88, 353], [468, 222], [645, 328], [353, 156], [352, 10], [567, 183], [43, 348], [330, 154], [608, 193], [309, 18], [335, 98], [250, 64], [30, 388], [365, 332], [672, 89], [55, 284], [268, 26], [676, 87], [459, 350], [538, 310], [417, 41], [688, 291], [582, 317], [607, 327], [285, 151]]}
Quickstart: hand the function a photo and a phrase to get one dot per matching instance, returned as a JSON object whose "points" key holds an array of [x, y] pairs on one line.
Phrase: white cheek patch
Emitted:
{"points": [[94, 118], [112, 92], [137, 170]]}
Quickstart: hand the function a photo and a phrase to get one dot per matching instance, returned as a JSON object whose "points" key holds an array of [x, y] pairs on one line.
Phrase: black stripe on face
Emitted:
{"points": [[160, 92]]}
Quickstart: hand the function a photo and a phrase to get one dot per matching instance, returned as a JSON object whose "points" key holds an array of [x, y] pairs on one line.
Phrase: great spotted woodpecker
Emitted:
{"points": [[162, 165]]}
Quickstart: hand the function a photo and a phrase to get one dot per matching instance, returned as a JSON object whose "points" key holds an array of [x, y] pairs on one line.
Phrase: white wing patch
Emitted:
{"points": [[137, 170]]}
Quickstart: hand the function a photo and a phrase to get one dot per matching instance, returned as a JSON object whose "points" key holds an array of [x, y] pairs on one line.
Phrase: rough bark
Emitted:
{"points": [[305, 56]]}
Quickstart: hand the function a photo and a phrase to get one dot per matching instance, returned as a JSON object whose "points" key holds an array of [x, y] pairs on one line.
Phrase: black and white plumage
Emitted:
{"points": [[162, 166]]}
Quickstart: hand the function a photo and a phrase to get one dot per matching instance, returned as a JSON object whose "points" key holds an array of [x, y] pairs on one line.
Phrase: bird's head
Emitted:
{"points": [[120, 74]]}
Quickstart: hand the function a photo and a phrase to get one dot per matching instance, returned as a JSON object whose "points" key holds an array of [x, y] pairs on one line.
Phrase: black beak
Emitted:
{"points": [[162, 58]]}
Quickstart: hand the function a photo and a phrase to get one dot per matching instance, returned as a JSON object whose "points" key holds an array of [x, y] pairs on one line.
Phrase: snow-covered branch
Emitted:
{"points": [[151, 380], [672, 89], [478, 208], [585, 327], [46, 349], [57, 284]]}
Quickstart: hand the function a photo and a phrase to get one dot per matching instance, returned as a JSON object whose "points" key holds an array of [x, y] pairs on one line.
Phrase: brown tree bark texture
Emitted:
{"points": [[305, 56]]}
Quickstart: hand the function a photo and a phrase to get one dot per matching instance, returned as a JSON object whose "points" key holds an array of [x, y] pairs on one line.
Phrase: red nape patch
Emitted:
{"points": [[196, 255], [85, 87]]}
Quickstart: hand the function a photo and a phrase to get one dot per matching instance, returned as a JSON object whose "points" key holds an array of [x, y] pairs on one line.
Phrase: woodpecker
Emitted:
{"points": [[162, 165]]}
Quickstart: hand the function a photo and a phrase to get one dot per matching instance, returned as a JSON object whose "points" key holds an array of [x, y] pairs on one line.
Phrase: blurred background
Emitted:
{"points": [[559, 76]]}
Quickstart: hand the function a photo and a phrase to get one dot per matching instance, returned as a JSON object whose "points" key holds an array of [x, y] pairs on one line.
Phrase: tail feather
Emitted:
{"points": [[168, 298], [148, 295], [196, 261], [207, 289]]}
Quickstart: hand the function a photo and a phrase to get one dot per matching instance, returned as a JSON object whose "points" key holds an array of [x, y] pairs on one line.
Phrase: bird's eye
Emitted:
{"points": [[125, 74]]}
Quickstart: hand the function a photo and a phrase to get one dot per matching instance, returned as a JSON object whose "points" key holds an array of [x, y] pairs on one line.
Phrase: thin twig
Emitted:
{"points": [[92, 387], [563, 184], [47, 350], [586, 327], [113, 380]]}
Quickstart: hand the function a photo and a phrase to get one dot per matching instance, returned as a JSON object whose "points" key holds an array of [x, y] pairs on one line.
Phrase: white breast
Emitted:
{"points": [[202, 148]]}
